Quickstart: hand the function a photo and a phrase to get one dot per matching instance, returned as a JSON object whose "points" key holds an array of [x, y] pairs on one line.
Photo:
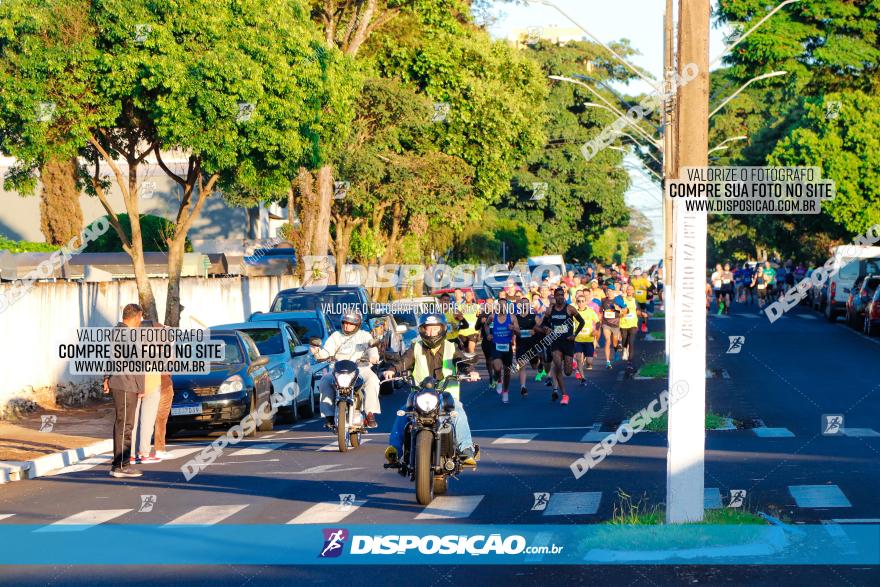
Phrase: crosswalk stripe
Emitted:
{"points": [[182, 452], [257, 449], [573, 503], [818, 496], [594, 436], [711, 498], [335, 446], [84, 465], [773, 432], [207, 514], [860, 432], [447, 507], [514, 439], [5, 516], [83, 519], [328, 512]]}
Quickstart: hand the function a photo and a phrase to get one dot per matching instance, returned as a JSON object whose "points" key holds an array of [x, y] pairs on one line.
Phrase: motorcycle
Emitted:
{"points": [[430, 450]]}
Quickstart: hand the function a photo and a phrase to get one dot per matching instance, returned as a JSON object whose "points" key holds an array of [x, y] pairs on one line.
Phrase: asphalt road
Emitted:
{"points": [[786, 376]]}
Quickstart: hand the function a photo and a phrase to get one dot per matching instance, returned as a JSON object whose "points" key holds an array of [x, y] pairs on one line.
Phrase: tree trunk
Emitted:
{"points": [[145, 291], [173, 309], [61, 216], [321, 239]]}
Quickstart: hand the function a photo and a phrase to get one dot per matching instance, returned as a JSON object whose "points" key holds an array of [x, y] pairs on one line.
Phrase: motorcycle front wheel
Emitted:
{"points": [[341, 425], [424, 468]]}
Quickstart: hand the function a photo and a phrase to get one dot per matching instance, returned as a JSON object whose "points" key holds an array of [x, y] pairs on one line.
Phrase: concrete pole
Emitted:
{"points": [[668, 163], [687, 360]]}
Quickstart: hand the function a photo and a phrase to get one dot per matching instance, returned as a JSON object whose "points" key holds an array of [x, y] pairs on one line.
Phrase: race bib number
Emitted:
{"points": [[640, 292], [762, 286], [525, 333], [502, 347], [610, 314], [725, 281], [560, 329]]}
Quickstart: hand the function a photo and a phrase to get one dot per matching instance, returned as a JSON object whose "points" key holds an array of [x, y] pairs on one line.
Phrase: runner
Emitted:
{"points": [[483, 321], [769, 278], [612, 307], [759, 283], [501, 332], [558, 320], [469, 311], [538, 308], [716, 287], [584, 342], [643, 293], [629, 324], [727, 287], [525, 342]]}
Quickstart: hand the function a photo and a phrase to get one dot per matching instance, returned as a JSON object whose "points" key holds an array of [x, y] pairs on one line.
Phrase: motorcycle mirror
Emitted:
{"points": [[469, 358], [390, 356], [314, 341]]}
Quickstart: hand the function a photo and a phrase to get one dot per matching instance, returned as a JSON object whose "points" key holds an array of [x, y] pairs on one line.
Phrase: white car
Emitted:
{"points": [[865, 260]]}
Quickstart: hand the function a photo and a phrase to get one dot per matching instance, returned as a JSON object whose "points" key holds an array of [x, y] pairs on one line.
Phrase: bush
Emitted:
{"points": [[7, 244], [155, 231]]}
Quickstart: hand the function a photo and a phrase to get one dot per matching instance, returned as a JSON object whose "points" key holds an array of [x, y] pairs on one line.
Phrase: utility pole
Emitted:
{"points": [[687, 360]]}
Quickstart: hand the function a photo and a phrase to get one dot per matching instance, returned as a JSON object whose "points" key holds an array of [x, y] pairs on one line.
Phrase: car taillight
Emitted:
{"points": [[833, 289]]}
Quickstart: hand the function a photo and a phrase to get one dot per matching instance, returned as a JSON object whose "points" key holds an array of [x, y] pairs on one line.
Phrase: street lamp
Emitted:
{"points": [[633, 124], [750, 31], [647, 79], [744, 86], [723, 144]]}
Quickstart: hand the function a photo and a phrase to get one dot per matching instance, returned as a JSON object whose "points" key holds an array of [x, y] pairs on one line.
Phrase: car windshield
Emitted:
{"points": [[306, 328], [295, 301], [406, 316], [232, 352], [872, 283], [269, 341]]}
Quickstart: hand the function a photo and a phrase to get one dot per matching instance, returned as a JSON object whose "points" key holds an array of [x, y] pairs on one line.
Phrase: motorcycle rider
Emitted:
{"points": [[431, 355], [352, 344]]}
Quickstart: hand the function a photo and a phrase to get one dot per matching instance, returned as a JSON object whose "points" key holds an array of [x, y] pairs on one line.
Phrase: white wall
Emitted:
{"points": [[50, 313]]}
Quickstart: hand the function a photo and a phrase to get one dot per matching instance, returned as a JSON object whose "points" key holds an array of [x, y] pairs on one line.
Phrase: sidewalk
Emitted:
{"points": [[67, 436]]}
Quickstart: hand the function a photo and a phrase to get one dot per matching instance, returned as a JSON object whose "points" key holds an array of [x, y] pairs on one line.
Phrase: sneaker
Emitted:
{"points": [[133, 460], [554, 396], [149, 459], [162, 454], [577, 375], [574, 364], [549, 382], [590, 367], [504, 397], [125, 472], [564, 401], [498, 389], [541, 375], [626, 354], [391, 455], [371, 421], [644, 328], [470, 456], [608, 364], [523, 392]]}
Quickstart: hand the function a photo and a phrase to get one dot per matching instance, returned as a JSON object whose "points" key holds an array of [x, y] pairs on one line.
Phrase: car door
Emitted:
{"points": [[299, 364], [262, 382]]}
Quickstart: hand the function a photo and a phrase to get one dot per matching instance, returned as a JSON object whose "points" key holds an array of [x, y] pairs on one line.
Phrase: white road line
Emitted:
{"points": [[242, 462], [773, 432], [860, 432], [83, 520], [446, 507], [514, 439], [818, 496], [257, 449], [334, 446], [856, 520], [298, 426], [329, 512], [552, 428], [574, 503], [5, 516], [318, 470], [808, 316], [594, 436], [207, 515], [178, 453]]}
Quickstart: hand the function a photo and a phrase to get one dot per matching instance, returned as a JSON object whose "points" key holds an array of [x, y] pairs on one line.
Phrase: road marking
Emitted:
{"points": [[552, 428], [329, 512], [514, 439], [207, 515], [334, 446], [594, 436], [860, 432], [298, 426], [5, 516], [315, 470], [215, 464], [818, 496], [178, 453], [83, 520], [576, 503], [257, 449], [84, 465], [711, 498], [839, 535], [807, 316], [447, 507], [773, 432], [856, 520]]}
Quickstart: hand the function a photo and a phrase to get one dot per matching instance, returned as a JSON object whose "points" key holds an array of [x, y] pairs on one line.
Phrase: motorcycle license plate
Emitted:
{"points": [[502, 347], [193, 410]]}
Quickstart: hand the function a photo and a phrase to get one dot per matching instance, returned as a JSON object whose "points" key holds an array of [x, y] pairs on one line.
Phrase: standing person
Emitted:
{"points": [[643, 291], [126, 388], [584, 347], [501, 334], [629, 324], [166, 398], [146, 413], [525, 342], [612, 308], [558, 320], [716, 287], [727, 287]]}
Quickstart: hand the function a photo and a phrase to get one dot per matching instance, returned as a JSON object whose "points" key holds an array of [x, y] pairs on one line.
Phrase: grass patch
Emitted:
{"points": [[7, 244], [659, 314], [655, 369], [658, 335], [661, 424]]}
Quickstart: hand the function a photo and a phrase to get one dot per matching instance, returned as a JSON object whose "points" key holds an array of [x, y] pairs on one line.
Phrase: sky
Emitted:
{"points": [[639, 21]]}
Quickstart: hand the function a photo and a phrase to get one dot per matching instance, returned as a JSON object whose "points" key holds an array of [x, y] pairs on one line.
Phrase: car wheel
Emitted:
{"points": [[288, 413], [870, 329], [268, 424]]}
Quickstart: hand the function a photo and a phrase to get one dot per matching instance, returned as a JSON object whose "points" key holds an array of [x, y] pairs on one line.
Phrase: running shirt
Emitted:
{"points": [[591, 318], [716, 280], [526, 329], [502, 333], [610, 313], [641, 285], [631, 320], [726, 280], [769, 274]]}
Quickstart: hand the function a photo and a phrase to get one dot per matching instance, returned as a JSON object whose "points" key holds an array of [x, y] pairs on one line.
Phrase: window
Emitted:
{"points": [[268, 340]]}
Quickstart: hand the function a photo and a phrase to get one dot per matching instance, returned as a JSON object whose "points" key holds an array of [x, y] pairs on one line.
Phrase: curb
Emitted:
{"points": [[41, 466]]}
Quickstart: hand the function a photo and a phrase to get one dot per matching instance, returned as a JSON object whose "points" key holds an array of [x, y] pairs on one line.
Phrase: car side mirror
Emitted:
{"points": [[260, 362], [299, 350]]}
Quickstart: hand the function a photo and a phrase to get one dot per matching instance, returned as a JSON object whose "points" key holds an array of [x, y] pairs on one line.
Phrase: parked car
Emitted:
{"points": [[864, 261], [871, 323], [236, 386], [306, 325], [333, 300], [288, 365], [859, 298]]}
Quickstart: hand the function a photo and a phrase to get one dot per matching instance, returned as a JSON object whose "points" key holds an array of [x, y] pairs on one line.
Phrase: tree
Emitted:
{"points": [[243, 98], [61, 216]]}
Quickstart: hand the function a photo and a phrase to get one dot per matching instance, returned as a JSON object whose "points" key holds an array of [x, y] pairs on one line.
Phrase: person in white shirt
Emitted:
{"points": [[351, 344]]}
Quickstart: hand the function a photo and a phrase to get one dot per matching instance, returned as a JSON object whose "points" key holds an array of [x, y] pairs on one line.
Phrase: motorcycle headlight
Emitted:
{"points": [[345, 379], [276, 372], [231, 385], [427, 402]]}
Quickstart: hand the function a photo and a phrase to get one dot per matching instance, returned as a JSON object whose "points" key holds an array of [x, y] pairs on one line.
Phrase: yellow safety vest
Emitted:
{"points": [[421, 369], [469, 312], [451, 326], [631, 320]]}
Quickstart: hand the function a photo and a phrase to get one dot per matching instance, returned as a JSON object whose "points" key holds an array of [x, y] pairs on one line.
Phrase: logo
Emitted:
{"points": [[541, 501], [47, 423], [147, 503], [736, 344], [832, 424], [346, 500], [539, 190], [441, 111], [334, 541], [737, 497]]}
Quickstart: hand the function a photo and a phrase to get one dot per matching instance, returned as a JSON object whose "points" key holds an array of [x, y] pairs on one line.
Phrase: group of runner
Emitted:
{"points": [[751, 281], [555, 329]]}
